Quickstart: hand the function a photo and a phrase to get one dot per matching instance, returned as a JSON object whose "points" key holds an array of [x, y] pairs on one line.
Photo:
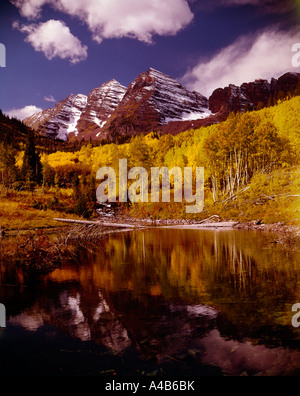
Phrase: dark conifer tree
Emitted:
{"points": [[8, 169], [32, 167]]}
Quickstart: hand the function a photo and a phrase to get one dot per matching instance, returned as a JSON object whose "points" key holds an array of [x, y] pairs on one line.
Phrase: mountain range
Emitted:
{"points": [[153, 102]]}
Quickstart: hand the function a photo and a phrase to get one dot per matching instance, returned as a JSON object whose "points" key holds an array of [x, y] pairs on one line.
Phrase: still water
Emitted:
{"points": [[160, 302]]}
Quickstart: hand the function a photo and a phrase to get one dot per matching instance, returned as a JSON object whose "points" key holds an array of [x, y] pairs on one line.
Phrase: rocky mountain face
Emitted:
{"points": [[252, 96], [78, 115], [249, 96], [154, 102], [151, 101], [61, 120], [101, 103]]}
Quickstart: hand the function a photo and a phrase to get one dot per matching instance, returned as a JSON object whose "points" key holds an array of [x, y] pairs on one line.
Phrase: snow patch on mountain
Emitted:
{"points": [[191, 116], [173, 101]]}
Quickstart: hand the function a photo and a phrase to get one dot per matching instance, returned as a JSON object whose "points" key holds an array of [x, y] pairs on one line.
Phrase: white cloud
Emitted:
{"points": [[50, 99], [264, 56], [138, 19], [54, 39], [23, 113], [30, 9]]}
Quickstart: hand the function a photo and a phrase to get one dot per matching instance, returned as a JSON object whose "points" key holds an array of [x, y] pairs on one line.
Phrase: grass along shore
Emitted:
{"points": [[41, 244], [23, 210], [269, 200]]}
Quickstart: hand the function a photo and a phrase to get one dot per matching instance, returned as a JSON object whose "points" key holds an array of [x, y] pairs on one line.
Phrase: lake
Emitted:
{"points": [[157, 302]]}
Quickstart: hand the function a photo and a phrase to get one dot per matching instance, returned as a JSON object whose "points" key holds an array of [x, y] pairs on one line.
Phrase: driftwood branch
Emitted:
{"points": [[97, 223], [210, 218]]}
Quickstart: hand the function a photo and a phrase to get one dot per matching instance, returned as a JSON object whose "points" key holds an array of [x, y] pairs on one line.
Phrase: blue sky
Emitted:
{"points": [[58, 47]]}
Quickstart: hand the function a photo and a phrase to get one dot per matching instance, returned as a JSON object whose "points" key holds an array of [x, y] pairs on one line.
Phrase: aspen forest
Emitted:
{"points": [[251, 164]]}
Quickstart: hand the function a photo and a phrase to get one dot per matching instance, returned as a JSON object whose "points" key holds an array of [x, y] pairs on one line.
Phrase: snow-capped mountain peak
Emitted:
{"points": [[151, 101], [78, 114], [154, 101]]}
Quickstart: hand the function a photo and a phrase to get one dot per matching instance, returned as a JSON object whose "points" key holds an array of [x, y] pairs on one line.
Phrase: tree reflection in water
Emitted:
{"points": [[191, 297]]}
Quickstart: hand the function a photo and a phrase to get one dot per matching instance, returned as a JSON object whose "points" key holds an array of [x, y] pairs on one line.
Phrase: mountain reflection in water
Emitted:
{"points": [[180, 300]]}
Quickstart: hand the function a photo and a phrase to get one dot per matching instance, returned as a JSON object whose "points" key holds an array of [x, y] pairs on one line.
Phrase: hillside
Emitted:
{"points": [[251, 162], [12, 130]]}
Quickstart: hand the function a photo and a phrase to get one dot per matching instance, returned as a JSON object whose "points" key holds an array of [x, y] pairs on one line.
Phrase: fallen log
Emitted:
{"points": [[210, 218], [221, 225], [97, 223]]}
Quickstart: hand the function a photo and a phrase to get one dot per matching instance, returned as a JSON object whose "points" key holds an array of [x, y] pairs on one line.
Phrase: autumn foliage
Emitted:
{"points": [[251, 162]]}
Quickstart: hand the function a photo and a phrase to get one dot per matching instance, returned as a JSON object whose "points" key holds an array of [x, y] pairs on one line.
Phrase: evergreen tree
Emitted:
{"points": [[81, 207], [32, 167], [85, 195], [8, 170]]}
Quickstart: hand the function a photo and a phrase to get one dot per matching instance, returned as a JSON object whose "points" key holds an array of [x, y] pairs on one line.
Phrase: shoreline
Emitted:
{"points": [[83, 233], [131, 224], [253, 225]]}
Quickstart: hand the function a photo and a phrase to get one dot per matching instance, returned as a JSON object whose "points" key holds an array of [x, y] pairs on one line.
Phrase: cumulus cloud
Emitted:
{"points": [[30, 9], [50, 99], [24, 112], [264, 56], [138, 19], [54, 39]]}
